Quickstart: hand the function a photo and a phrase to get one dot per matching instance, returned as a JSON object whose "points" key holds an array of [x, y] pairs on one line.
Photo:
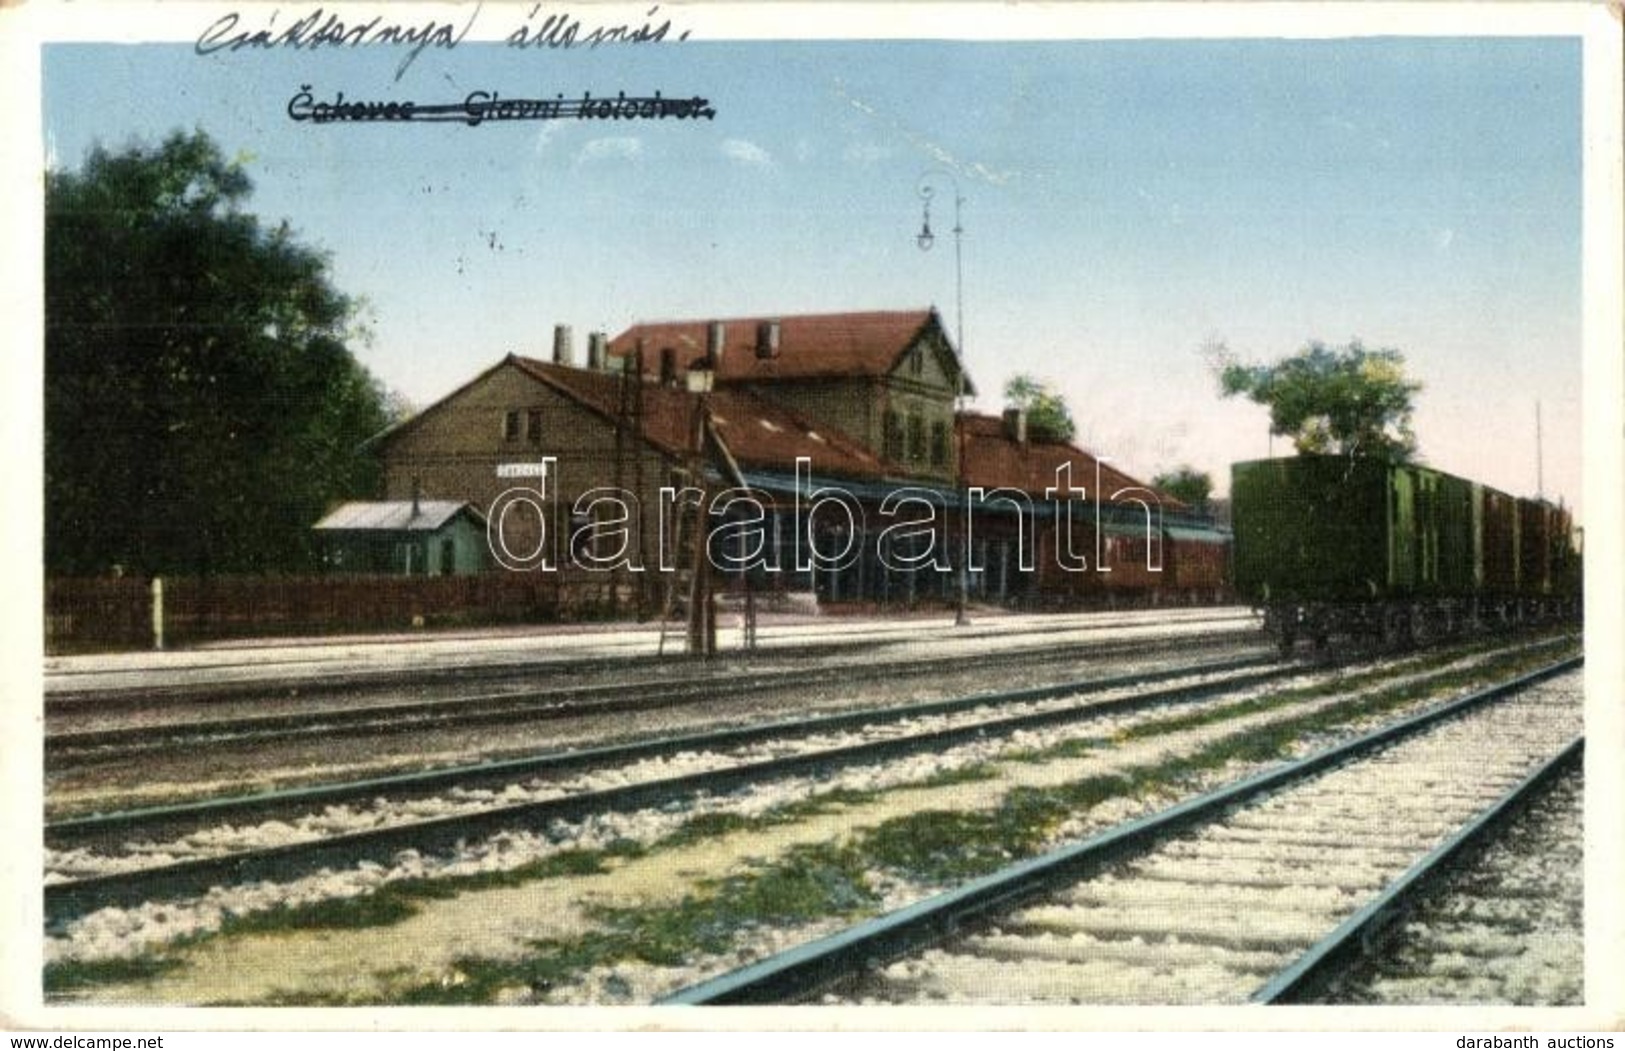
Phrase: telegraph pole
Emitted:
{"points": [[1540, 458], [925, 240]]}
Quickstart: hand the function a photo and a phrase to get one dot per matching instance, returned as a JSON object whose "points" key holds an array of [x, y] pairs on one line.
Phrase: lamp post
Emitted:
{"points": [[702, 614], [925, 239]]}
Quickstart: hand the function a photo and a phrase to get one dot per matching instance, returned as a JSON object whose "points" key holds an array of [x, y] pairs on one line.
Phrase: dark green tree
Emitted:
{"points": [[1186, 484], [1048, 417], [202, 408], [1347, 401]]}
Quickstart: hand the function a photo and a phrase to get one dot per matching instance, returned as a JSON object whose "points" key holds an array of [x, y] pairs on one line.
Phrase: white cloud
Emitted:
{"points": [[545, 137], [866, 153], [746, 152], [629, 148], [927, 146]]}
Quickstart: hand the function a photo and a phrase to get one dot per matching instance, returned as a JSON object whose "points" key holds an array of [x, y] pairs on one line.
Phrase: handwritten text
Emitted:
{"points": [[320, 28], [477, 107]]}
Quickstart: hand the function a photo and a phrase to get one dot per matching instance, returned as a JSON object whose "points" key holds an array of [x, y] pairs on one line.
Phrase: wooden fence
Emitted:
{"points": [[102, 613]]}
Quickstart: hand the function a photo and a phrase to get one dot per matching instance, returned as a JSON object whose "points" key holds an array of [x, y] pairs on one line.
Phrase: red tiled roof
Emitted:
{"points": [[810, 345], [756, 432], [992, 458]]}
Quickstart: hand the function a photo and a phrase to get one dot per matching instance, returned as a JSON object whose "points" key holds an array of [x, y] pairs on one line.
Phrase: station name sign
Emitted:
{"points": [[522, 470]]}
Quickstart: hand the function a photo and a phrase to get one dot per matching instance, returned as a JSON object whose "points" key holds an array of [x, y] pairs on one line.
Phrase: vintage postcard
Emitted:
{"points": [[904, 515]]}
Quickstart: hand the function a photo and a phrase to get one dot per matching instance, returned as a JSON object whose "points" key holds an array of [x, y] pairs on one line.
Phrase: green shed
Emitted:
{"points": [[404, 538]]}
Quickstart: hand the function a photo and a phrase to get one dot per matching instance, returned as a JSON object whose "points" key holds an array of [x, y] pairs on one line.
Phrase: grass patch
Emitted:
{"points": [[66, 976], [824, 803], [807, 883], [701, 827], [961, 775], [1073, 749], [400, 900], [941, 845], [1481, 674], [707, 826], [378, 909]]}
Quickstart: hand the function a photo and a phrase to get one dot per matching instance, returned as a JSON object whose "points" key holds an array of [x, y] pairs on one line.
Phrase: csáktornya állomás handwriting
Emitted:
{"points": [[320, 28]]}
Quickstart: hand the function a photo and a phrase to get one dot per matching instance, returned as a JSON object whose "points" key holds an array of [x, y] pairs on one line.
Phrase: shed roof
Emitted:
{"points": [[394, 516]]}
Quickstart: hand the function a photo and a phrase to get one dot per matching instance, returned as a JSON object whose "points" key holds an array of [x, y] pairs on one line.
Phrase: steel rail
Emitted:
{"points": [[73, 748], [1358, 935], [793, 974], [70, 898], [69, 697]]}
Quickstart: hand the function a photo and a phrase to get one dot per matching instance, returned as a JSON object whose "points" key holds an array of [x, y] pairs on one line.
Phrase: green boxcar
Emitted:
{"points": [[1321, 528], [1334, 529], [1329, 544], [1498, 544], [1446, 522]]}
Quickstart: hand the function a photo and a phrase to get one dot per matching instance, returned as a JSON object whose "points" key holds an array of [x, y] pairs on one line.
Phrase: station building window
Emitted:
{"points": [[939, 443], [892, 435]]}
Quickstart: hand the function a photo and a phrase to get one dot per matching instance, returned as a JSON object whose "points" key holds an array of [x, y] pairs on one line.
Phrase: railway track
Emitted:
{"points": [[1504, 925], [205, 679], [75, 896], [67, 749], [1258, 891]]}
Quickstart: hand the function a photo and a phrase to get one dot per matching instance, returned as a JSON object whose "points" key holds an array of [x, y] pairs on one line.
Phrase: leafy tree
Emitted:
{"points": [[1048, 417], [202, 408], [1185, 484], [1349, 400]]}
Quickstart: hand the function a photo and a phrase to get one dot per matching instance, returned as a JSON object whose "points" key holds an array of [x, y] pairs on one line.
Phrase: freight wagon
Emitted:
{"points": [[1334, 545]]}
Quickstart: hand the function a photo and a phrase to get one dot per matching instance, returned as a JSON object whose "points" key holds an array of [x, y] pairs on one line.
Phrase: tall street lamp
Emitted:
{"points": [[925, 239], [702, 610]]}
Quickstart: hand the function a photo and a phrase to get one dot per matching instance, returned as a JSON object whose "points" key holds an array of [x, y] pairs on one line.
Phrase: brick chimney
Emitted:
{"points": [[715, 342], [767, 339], [1015, 425]]}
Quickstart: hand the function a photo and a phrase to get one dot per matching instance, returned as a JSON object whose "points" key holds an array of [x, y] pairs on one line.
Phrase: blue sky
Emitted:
{"points": [[1126, 202]]}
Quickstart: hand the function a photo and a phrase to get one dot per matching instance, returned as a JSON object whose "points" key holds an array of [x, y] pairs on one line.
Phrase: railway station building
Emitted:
{"points": [[817, 454]]}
